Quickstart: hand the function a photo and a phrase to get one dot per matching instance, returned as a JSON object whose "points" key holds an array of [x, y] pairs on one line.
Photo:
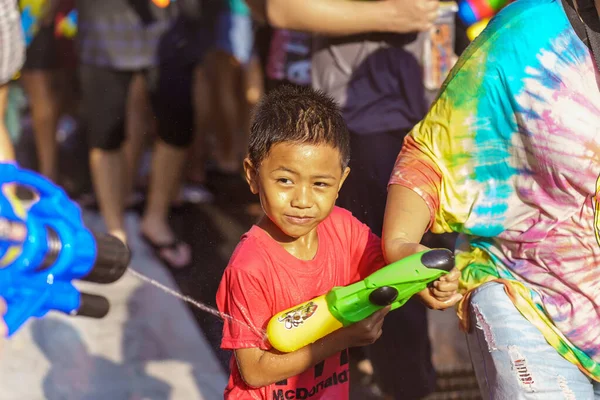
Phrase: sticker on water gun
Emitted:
{"points": [[296, 317]]}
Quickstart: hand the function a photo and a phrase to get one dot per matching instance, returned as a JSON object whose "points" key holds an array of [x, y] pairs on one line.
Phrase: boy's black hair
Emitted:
{"points": [[298, 115]]}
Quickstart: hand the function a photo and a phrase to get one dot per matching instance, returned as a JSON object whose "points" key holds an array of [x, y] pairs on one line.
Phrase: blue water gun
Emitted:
{"points": [[44, 247]]}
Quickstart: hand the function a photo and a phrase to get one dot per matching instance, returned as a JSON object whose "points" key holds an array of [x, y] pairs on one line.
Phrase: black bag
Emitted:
{"points": [[590, 27], [190, 10], [196, 10]]}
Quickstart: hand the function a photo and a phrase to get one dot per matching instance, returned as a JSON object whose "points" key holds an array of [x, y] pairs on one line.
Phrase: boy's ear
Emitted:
{"points": [[344, 176], [251, 174]]}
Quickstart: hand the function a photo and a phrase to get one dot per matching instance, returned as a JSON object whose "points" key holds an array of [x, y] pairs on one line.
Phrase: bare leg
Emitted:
{"points": [[167, 168], [138, 125], [7, 152], [108, 173], [193, 190], [198, 151], [253, 91], [45, 112], [227, 114]]}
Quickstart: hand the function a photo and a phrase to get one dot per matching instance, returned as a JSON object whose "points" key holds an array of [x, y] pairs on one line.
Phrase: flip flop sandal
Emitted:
{"points": [[157, 248]]}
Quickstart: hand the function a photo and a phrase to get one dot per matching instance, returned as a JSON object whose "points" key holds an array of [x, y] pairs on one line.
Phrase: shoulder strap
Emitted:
{"points": [[590, 25]]}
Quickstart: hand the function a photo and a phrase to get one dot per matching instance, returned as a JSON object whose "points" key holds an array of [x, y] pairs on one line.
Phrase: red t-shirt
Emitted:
{"points": [[262, 278]]}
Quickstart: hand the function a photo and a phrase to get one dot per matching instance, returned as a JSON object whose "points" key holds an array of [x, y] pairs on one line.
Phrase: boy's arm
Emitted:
{"points": [[245, 298], [345, 17], [260, 368]]}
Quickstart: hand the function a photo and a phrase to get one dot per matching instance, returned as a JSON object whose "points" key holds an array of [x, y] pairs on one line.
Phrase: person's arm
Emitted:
{"points": [[406, 220], [346, 17], [245, 297], [260, 368]]}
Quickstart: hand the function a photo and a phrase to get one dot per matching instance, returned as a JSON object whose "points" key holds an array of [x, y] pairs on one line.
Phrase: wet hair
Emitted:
{"points": [[302, 115]]}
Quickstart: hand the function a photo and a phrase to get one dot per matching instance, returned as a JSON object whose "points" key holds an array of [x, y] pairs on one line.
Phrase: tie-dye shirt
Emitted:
{"points": [[509, 157]]}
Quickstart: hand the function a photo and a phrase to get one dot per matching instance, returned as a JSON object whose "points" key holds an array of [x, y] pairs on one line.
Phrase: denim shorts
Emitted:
{"points": [[512, 359]]}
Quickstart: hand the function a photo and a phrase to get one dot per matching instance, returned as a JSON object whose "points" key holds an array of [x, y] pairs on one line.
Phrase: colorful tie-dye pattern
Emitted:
{"points": [[31, 11], [509, 156]]}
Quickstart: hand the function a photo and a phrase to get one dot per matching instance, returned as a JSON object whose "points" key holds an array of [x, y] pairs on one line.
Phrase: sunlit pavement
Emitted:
{"points": [[148, 346]]}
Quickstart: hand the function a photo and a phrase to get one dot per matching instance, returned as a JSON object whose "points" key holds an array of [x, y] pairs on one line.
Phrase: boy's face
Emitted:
{"points": [[298, 185]]}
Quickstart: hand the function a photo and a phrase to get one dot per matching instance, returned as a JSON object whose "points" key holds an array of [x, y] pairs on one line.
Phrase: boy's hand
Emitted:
{"points": [[442, 293], [364, 332]]}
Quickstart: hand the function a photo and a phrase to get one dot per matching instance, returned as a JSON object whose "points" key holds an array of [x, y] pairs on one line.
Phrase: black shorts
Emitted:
{"points": [[42, 52], [104, 94]]}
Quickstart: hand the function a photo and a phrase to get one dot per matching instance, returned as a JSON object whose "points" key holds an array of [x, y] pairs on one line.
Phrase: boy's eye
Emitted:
{"points": [[285, 181], [322, 184]]}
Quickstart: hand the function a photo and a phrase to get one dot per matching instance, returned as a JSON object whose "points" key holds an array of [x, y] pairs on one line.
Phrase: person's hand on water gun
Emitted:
{"points": [[441, 293]]}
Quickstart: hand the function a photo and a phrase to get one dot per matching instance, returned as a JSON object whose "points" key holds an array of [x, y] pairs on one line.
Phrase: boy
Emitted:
{"points": [[302, 247]]}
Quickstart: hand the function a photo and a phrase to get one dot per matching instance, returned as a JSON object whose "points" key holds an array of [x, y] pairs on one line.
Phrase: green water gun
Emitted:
{"points": [[392, 285]]}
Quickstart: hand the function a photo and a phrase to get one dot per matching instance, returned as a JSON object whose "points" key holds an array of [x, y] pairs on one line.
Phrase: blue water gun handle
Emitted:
{"points": [[44, 248]]}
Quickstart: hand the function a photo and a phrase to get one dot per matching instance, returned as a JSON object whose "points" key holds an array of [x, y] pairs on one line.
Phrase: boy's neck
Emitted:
{"points": [[303, 248]]}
